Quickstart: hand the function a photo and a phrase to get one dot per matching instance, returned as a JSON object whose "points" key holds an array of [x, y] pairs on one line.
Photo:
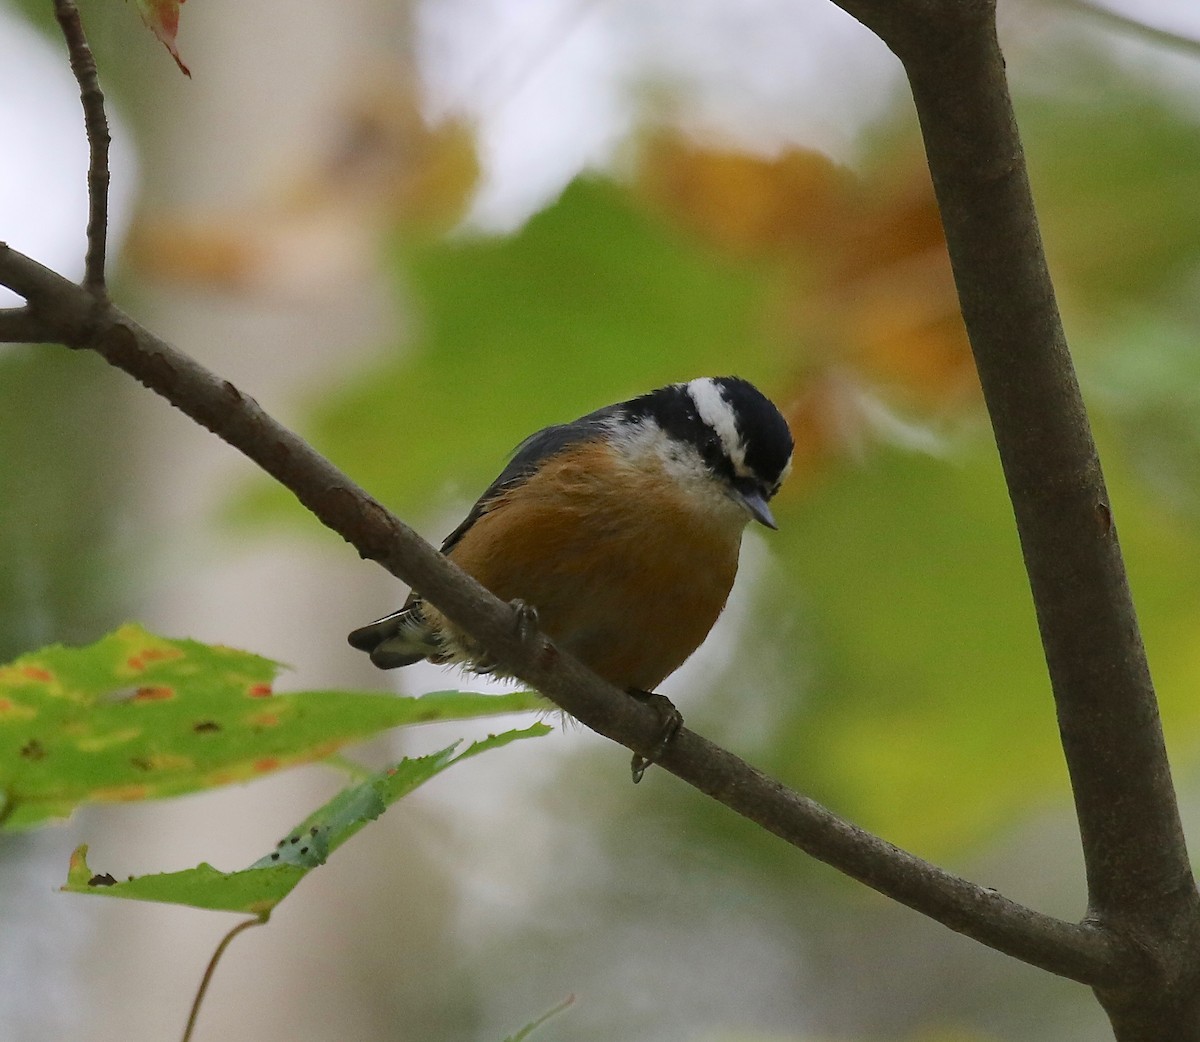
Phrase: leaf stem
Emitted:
{"points": [[210, 969]]}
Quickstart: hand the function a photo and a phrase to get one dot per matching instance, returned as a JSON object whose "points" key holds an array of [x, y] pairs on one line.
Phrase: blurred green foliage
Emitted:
{"points": [[928, 714], [1114, 170]]}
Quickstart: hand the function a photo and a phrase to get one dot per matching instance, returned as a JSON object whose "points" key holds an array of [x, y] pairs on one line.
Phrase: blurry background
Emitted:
{"points": [[419, 230]]}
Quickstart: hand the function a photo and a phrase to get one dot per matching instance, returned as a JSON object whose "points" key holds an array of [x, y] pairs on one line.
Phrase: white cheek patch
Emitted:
{"points": [[647, 448], [646, 440], [715, 411]]}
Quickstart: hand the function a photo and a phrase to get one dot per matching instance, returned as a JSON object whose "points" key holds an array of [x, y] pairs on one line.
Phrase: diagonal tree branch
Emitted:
{"points": [[1079, 951]]}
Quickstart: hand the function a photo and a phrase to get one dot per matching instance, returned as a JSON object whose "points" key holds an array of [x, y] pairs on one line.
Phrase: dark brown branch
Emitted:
{"points": [[83, 65], [1078, 951], [56, 303], [1139, 875], [1132, 836]]}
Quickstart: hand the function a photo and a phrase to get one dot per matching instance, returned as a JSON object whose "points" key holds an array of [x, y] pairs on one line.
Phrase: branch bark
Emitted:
{"points": [[22, 326], [95, 122], [1139, 876]]}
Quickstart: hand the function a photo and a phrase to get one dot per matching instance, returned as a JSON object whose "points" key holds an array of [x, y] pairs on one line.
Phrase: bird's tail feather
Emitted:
{"points": [[399, 639]]}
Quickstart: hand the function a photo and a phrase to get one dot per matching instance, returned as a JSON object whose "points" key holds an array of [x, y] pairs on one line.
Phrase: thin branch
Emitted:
{"points": [[83, 65], [1123, 23], [1072, 950], [55, 302]]}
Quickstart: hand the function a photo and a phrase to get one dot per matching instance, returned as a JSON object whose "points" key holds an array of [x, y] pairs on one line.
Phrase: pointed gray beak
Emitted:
{"points": [[755, 502]]}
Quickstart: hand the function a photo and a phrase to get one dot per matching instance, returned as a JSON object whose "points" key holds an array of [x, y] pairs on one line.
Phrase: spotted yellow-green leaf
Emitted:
{"points": [[256, 890], [136, 716]]}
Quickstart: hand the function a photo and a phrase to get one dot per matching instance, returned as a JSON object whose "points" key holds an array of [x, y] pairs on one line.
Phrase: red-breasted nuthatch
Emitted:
{"points": [[621, 530]]}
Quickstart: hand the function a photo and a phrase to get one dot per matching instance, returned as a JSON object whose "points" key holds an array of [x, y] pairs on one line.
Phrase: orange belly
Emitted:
{"points": [[628, 576]]}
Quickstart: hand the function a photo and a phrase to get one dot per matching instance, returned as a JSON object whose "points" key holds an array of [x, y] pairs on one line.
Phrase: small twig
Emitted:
{"points": [[206, 980], [54, 303], [1124, 23], [83, 65], [529, 1029]]}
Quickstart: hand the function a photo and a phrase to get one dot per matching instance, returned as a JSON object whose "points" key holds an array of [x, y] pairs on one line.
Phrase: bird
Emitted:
{"points": [[618, 534]]}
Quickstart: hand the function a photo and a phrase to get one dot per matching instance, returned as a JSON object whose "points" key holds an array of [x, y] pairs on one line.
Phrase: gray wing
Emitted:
{"points": [[403, 637], [526, 459]]}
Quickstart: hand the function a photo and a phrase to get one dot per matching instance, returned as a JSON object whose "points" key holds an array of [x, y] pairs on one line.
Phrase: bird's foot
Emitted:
{"points": [[525, 620], [670, 721]]}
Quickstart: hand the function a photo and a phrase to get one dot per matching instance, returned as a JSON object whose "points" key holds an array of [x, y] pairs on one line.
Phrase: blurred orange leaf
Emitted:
{"points": [[749, 204], [868, 288]]}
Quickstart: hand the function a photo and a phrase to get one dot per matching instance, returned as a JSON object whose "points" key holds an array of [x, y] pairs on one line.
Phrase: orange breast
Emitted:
{"points": [[628, 573]]}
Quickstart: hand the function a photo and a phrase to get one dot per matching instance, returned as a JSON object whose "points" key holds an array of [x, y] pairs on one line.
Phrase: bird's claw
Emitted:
{"points": [[670, 721], [525, 618]]}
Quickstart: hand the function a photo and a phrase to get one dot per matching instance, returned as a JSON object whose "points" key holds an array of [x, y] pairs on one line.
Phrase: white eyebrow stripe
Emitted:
{"points": [[715, 411]]}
